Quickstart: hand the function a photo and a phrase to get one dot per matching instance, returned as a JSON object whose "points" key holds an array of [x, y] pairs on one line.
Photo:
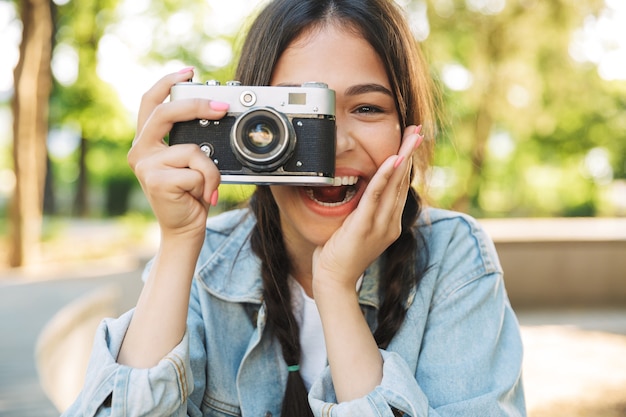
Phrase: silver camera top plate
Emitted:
{"points": [[309, 99]]}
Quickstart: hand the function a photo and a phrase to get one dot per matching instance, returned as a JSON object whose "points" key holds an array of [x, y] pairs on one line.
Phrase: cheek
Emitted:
{"points": [[380, 144], [282, 195]]}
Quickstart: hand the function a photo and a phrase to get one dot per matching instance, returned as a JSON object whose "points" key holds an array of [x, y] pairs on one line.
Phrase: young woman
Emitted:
{"points": [[351, 300]]}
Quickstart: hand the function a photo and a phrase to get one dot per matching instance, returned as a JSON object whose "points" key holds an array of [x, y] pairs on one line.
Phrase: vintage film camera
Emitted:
{"points": [[270, 135]]}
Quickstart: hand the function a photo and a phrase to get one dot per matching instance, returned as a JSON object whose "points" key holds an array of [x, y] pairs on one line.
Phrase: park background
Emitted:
{"points": [[532, 104], [531, 138]]}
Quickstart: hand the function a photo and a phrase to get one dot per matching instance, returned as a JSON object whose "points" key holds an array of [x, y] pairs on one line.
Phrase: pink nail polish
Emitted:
{"points": [[186, 70], [218, 105], [214, 198], [398, 161], [418, 129]]}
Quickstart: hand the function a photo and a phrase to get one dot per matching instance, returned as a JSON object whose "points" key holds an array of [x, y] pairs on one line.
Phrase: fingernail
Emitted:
{"points": [[214, 198], [418, 142], [186, 70], [218, 105], [398, 161], [418, 129]]}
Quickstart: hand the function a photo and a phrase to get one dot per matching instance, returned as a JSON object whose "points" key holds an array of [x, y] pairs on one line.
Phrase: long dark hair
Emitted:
{"points": [[382, 24]]}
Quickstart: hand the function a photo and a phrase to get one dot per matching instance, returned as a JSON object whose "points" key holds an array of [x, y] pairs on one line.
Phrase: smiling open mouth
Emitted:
{"points": [[341, 192]]}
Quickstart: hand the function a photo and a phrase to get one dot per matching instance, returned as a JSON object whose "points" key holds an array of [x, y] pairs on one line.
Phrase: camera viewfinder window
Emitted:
{"points": [[297, 98]]}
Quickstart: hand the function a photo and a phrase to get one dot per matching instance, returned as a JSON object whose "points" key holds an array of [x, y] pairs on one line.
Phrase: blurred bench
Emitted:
{"points": [[562, 262], [64, 346]]}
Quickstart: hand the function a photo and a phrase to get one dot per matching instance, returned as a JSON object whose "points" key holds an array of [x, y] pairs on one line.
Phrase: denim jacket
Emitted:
{"points": [[458, 352]]}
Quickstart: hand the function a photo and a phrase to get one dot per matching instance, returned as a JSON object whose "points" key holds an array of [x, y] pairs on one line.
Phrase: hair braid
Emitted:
{"points": [[267, 243], [403, 270], [382, 24]]}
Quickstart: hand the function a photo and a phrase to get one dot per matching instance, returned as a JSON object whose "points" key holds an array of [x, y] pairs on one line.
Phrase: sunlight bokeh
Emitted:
{"points": [[126, 42], [601, 40], [125, 62]]}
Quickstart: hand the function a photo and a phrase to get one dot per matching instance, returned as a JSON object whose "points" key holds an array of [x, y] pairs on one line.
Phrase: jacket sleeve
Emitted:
{"points": [[469, 363], [173, 387]]}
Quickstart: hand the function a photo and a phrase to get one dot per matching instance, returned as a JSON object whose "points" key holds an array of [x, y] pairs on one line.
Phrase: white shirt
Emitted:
{"points": [[312, 344], [313, 358]]}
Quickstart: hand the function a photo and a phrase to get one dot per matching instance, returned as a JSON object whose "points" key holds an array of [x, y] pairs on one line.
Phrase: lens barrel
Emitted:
{"points": [[262, 139]]}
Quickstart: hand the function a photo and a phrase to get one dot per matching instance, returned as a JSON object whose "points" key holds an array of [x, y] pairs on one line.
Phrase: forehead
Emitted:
{"points": [[331, 54]]}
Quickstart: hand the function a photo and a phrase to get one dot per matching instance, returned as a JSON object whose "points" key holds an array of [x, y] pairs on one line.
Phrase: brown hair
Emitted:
{"points": [[382, 24]]}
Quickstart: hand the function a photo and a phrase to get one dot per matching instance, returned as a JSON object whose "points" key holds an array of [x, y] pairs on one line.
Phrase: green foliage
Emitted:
{"points": [[516, 141], [89, 105], [88, 102], [179, 33], [183, 33], [231, 195], [518, 136]]}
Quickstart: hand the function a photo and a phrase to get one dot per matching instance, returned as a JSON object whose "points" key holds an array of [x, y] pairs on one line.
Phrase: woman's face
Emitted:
{"points": [[368, 129]]}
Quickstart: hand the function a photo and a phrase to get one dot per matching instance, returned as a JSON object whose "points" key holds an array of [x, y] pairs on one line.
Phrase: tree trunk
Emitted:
{"points": [[33, 81], [81, 207]]}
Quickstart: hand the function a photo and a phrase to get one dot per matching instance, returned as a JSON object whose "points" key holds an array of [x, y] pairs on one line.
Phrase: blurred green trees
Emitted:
{"points": [[90, 108], [527, 130]]}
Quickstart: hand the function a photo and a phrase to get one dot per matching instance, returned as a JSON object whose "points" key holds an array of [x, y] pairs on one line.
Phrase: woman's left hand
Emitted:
{"points": [[355, 362], [372, 227]]}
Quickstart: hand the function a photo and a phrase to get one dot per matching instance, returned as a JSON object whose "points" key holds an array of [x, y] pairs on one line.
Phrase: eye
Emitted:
{"points": [[368, 109]]}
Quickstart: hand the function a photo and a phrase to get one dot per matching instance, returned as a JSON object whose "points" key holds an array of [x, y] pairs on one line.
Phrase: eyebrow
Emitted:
{"points": [[355, 90]]}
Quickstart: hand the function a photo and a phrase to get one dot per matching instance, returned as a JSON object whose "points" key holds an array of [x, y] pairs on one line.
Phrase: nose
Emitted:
{"points": [[345, 141]]}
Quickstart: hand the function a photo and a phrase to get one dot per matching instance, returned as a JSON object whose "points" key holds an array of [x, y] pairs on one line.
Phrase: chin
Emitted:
{"points": [[307, 219], [324, 231]]}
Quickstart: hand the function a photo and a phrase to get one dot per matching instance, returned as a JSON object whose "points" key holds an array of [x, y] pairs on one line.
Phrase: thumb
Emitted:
{"points": [[316, 256]]}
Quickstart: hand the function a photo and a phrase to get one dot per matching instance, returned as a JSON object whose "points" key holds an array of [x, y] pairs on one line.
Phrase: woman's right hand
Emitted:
{"points": [[180, 182]]}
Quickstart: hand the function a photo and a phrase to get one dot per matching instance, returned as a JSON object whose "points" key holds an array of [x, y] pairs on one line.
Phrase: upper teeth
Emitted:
{"points": [[345, 181]]}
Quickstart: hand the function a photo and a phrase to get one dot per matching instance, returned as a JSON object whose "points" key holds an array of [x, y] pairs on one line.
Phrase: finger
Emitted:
{"points": [[165, 115], [162, 120], [384, 198], [179, 182], [389, 175], [186, 157], [400, 181], [411, 141], [404, 161], [369, 206], [398, 175], [210, 174], [385, 195], [158, 93]]}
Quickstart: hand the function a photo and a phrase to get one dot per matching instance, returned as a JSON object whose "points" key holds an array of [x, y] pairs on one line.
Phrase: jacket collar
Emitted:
{"points": [[229, 270]]}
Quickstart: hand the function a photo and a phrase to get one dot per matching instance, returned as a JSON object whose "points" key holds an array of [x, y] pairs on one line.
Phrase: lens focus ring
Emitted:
{"points": [[262, 139]]}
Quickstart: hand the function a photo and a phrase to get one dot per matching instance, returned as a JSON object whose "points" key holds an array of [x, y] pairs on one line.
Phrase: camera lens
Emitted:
{"points": [[260, 134], [262, 139]]}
